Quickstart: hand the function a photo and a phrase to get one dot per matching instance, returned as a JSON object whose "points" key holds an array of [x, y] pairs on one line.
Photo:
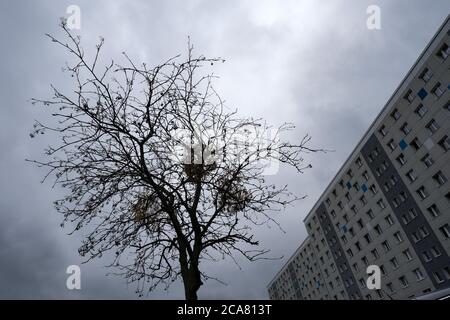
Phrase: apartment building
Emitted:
{"points": [[389, 204]]}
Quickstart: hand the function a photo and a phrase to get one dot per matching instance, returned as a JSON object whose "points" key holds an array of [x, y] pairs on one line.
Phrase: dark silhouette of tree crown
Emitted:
{"points": [[161, 210]]}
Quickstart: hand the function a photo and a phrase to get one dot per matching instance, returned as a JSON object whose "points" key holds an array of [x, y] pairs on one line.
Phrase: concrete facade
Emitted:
{"points": [[389, 204]]}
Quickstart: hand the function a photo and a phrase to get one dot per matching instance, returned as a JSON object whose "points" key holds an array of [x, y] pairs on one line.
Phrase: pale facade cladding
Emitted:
{"points": [[389, 205]]}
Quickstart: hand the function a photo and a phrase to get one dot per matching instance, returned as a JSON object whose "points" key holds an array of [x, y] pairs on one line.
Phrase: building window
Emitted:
{"points": [[356, 186], [389, 220], [354, 209], [378, 171], [338, 225], [359, 162], [362, 283], [422, 93], [390, 287], [340, 205], [445, 143], [443, 52], [408, 96], [402, 196], [351, 231], [370, 214], [365, 175], [375, 254], [358, 245], [419, 275], [383, 270], [350, 252], [382, 130], [405, 129], [438, 90], [403, 281], [365, 261], [407, 255], [396, 202], [394, 180], [344, 239], [378, 229], [415, 237], [421, 110], [433, 210], [368, 238], [402, 144], [348, 197], [386, 246], [406, 219], [398, 236], [394, 263], [426, 256], [426, 75], [334, 193], [391, 145], [432, 126], [422, 192], [436, 252], [415, 143], [438, 277], [401, 159], [355, 267], [333, 213], [412, 213], [381, 204], [447, 106], [424, 232], [445, 230], [373, 189], [395, 114], [411, 175], [427, 160], [363, 200], [350, 173], [360, 224], [440, 178], [446, 272], [375, 152]]}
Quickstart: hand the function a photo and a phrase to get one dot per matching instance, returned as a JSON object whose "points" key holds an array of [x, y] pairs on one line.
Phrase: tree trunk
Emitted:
{"points": [[192, 282]]}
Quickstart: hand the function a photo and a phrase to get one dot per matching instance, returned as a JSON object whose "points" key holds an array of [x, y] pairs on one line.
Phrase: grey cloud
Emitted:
{"points": [[313, 63]]}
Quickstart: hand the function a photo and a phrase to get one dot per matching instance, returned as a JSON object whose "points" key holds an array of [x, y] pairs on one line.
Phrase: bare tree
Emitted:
{"points": [[161, 171]]}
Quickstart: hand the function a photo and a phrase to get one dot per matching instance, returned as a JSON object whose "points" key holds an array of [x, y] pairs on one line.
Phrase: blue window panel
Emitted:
{"points": [[422, 93], [448, 86], [349, 185], [318, 284], [344, 228], [364, 188], [402, 144]]}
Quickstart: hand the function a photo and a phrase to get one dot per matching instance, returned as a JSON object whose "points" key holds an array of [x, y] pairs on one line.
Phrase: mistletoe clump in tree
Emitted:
{"points": [[158, 171]]}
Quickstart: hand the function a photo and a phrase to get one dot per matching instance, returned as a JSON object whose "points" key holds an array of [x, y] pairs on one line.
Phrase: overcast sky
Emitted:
{"points": [[314, 63]]}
